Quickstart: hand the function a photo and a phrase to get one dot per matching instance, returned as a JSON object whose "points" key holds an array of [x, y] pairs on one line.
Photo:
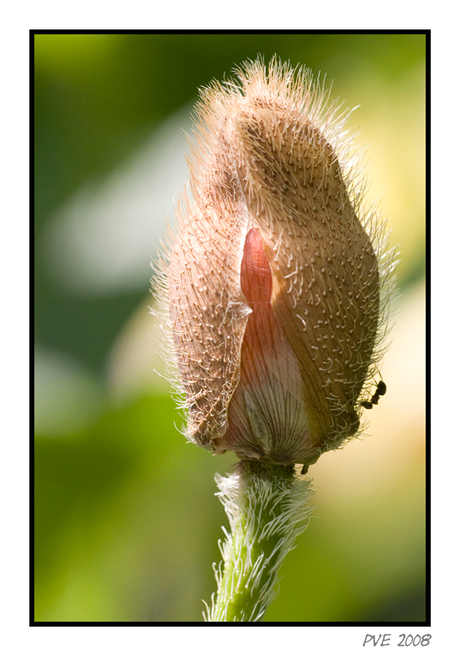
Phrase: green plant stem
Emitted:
{"points": [[267, 508]]}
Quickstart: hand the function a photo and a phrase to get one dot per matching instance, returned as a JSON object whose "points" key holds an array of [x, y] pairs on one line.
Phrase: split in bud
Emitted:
{"points": [[277, 284]]}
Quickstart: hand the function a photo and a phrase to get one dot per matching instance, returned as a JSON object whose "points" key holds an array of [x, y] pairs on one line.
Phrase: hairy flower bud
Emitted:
{"points": [[276, 281]]}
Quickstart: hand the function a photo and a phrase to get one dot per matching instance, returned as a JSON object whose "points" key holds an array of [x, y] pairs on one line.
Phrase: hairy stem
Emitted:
{"points": [[267, 508]]}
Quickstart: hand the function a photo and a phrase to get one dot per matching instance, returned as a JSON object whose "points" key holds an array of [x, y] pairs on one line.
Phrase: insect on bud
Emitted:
{"points": [[276, 280]]}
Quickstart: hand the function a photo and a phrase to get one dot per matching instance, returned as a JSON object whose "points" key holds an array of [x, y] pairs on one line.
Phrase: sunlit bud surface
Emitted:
{"points": [[277, 281]]}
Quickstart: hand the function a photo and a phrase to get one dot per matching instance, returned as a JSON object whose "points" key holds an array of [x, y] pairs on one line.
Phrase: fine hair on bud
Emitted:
{"points": [[277, 283]]}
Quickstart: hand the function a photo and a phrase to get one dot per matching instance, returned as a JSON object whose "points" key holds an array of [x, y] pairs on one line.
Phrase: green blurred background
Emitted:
{"points": [[126, 521]]}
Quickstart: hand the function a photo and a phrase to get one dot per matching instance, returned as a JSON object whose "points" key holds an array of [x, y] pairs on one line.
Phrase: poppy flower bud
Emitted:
{"points": [[275, 280]]}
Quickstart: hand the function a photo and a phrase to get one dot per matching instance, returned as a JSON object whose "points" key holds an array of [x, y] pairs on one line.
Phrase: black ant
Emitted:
{"points": [[380, 391]]}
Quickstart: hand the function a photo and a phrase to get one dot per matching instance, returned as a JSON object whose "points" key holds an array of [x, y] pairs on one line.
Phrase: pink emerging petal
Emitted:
{"points": [[266, 414]]}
